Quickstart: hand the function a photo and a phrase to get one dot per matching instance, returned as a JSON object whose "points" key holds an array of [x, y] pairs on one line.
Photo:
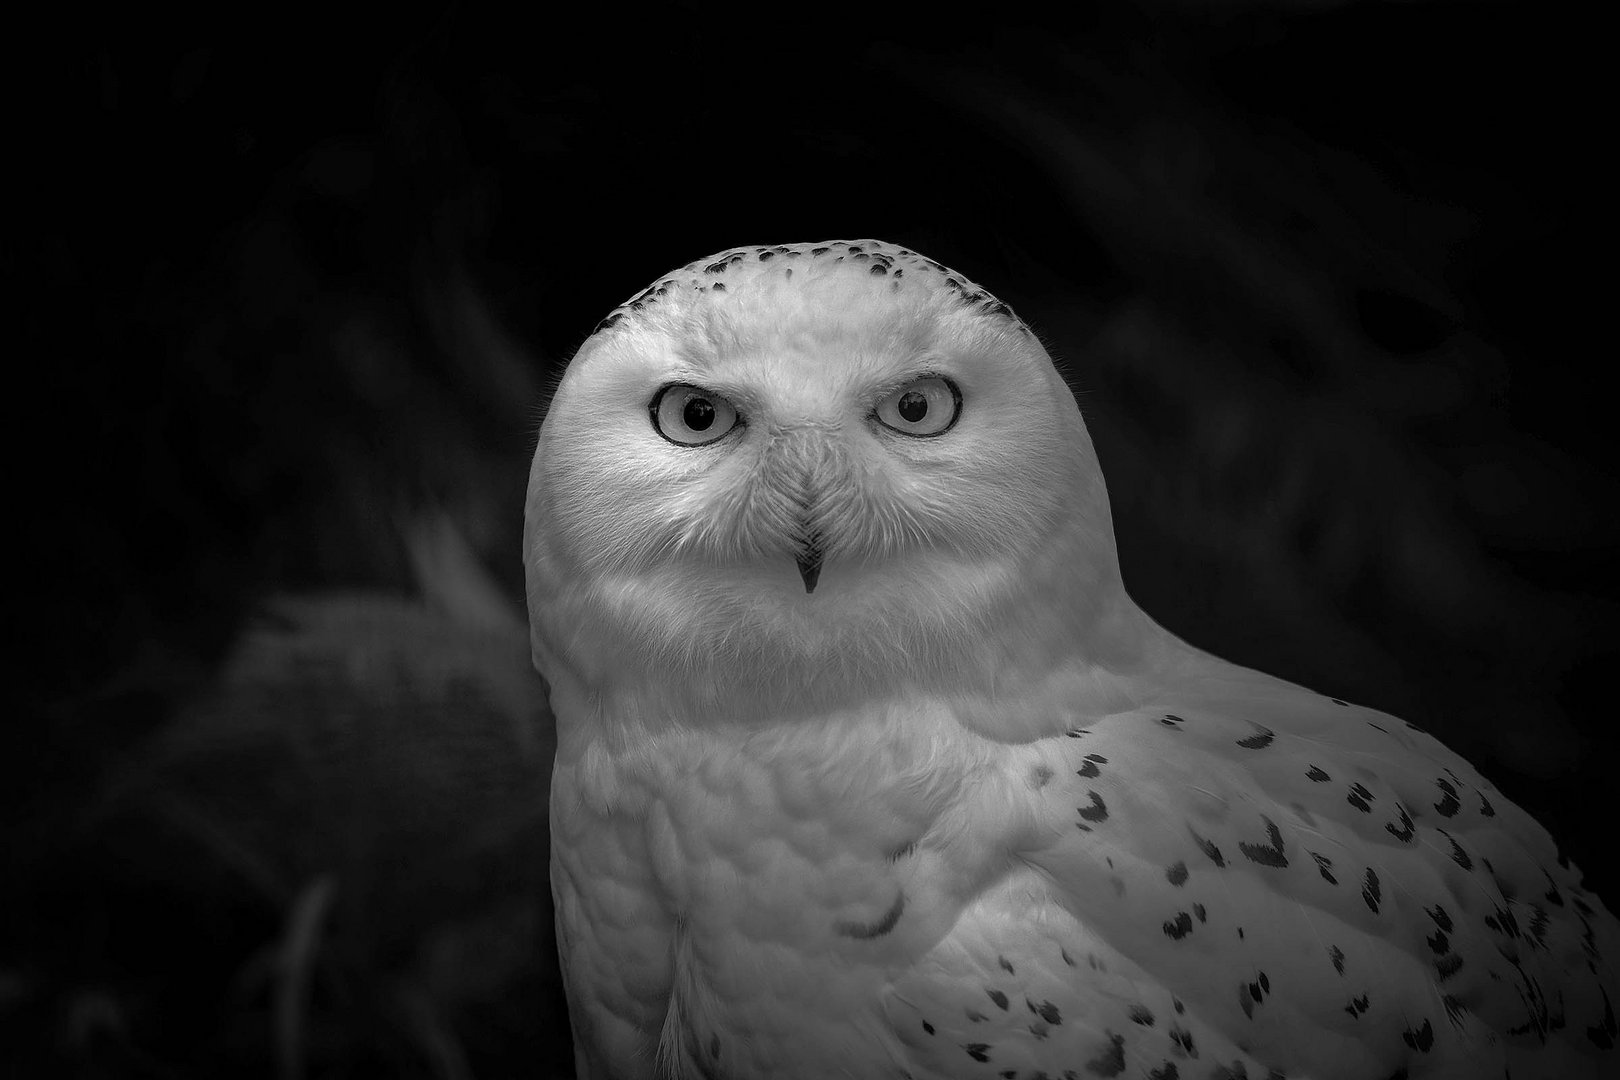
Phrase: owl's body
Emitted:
{"points": [[869, 767]]}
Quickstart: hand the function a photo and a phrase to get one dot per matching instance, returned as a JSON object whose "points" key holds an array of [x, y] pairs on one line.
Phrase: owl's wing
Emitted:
{"points": [[1256, 876]]}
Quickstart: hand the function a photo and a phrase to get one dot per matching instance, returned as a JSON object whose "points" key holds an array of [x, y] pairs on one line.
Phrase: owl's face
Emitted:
{"points": [[798, 466]]}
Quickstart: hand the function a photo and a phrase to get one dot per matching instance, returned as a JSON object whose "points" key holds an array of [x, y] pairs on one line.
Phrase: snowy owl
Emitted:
{"points": [[868, 766]]}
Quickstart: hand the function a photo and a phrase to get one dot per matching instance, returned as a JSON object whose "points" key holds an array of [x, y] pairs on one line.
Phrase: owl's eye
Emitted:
{"points": [[923, 408], [690, 416]]}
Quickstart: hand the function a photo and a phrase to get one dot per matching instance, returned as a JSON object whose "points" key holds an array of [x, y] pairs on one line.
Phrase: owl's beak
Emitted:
{"points": [[808, 556]]}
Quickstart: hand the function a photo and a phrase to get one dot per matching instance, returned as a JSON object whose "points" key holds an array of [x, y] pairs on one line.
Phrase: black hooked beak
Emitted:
{"points": [[809, 559]]}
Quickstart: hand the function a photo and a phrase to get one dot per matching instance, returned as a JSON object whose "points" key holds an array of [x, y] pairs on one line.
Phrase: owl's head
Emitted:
{"points": [[801, 468]]}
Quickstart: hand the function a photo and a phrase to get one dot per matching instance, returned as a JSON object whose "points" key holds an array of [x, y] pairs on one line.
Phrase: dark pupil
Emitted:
{"points": [[913, 407], [698, 414]]}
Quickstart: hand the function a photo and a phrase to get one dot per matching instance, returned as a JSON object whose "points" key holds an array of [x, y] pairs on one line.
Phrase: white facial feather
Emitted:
{"points": [[679, 562]]}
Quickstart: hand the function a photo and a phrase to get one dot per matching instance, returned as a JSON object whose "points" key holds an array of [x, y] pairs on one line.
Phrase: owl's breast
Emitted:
{"points": [[749, 902]]}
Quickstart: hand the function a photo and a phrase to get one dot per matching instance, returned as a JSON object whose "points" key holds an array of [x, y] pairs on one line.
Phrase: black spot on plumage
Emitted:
{"points": [[1175, 1003], [1078, 733], [1317, 775], [1270, 854], [815, 252], [1182, 1040], [1179, 927], [1046, 1011], [1089, 770], [766, 256], [1448, 804], [1406, 830], [1004, 965], [1503, 923], [1337, 701], [1167, 1071], [1360, 798], [1455, 1010], [1538, 924], [1324, 866], [1447, 966], [1209, 849], [1198, 910], [998, 997], [1440, 917], [1370, 891], [978, 1051], [975, 1015], [1336, 955], [1376, 727], [1458, 855], [928, 1027], [1096, 812], [878, 270], [1067, 959], [1111, 1062], [1439, 944], [1259, 740], [1141, 1014], [1357, 1006], [1421, 1040], [1177, 874], [1171, 720]]}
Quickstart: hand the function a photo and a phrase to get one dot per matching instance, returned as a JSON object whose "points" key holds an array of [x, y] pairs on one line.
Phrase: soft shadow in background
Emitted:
{"points": [[275, 788]]}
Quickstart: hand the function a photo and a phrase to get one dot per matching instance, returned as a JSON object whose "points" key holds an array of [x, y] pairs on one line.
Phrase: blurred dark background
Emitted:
{"points": [[290, 295]]}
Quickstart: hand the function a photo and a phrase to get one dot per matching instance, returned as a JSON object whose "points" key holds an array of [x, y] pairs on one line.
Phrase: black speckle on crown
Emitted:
{"points": [[881, 260]]}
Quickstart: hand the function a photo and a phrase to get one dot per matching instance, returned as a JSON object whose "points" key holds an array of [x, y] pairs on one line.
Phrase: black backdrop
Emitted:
{"points": [[290, 296]]}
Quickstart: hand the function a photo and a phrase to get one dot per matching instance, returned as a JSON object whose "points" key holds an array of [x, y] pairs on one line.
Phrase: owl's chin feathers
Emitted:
{"points": [[743, 642]]}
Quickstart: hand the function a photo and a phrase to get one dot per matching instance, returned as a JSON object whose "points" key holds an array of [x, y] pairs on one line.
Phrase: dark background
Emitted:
{"points": [[291, 294]]}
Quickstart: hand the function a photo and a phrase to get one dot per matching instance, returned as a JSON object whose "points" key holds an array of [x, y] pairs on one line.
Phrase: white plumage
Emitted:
{"points": [[869, 767]]}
